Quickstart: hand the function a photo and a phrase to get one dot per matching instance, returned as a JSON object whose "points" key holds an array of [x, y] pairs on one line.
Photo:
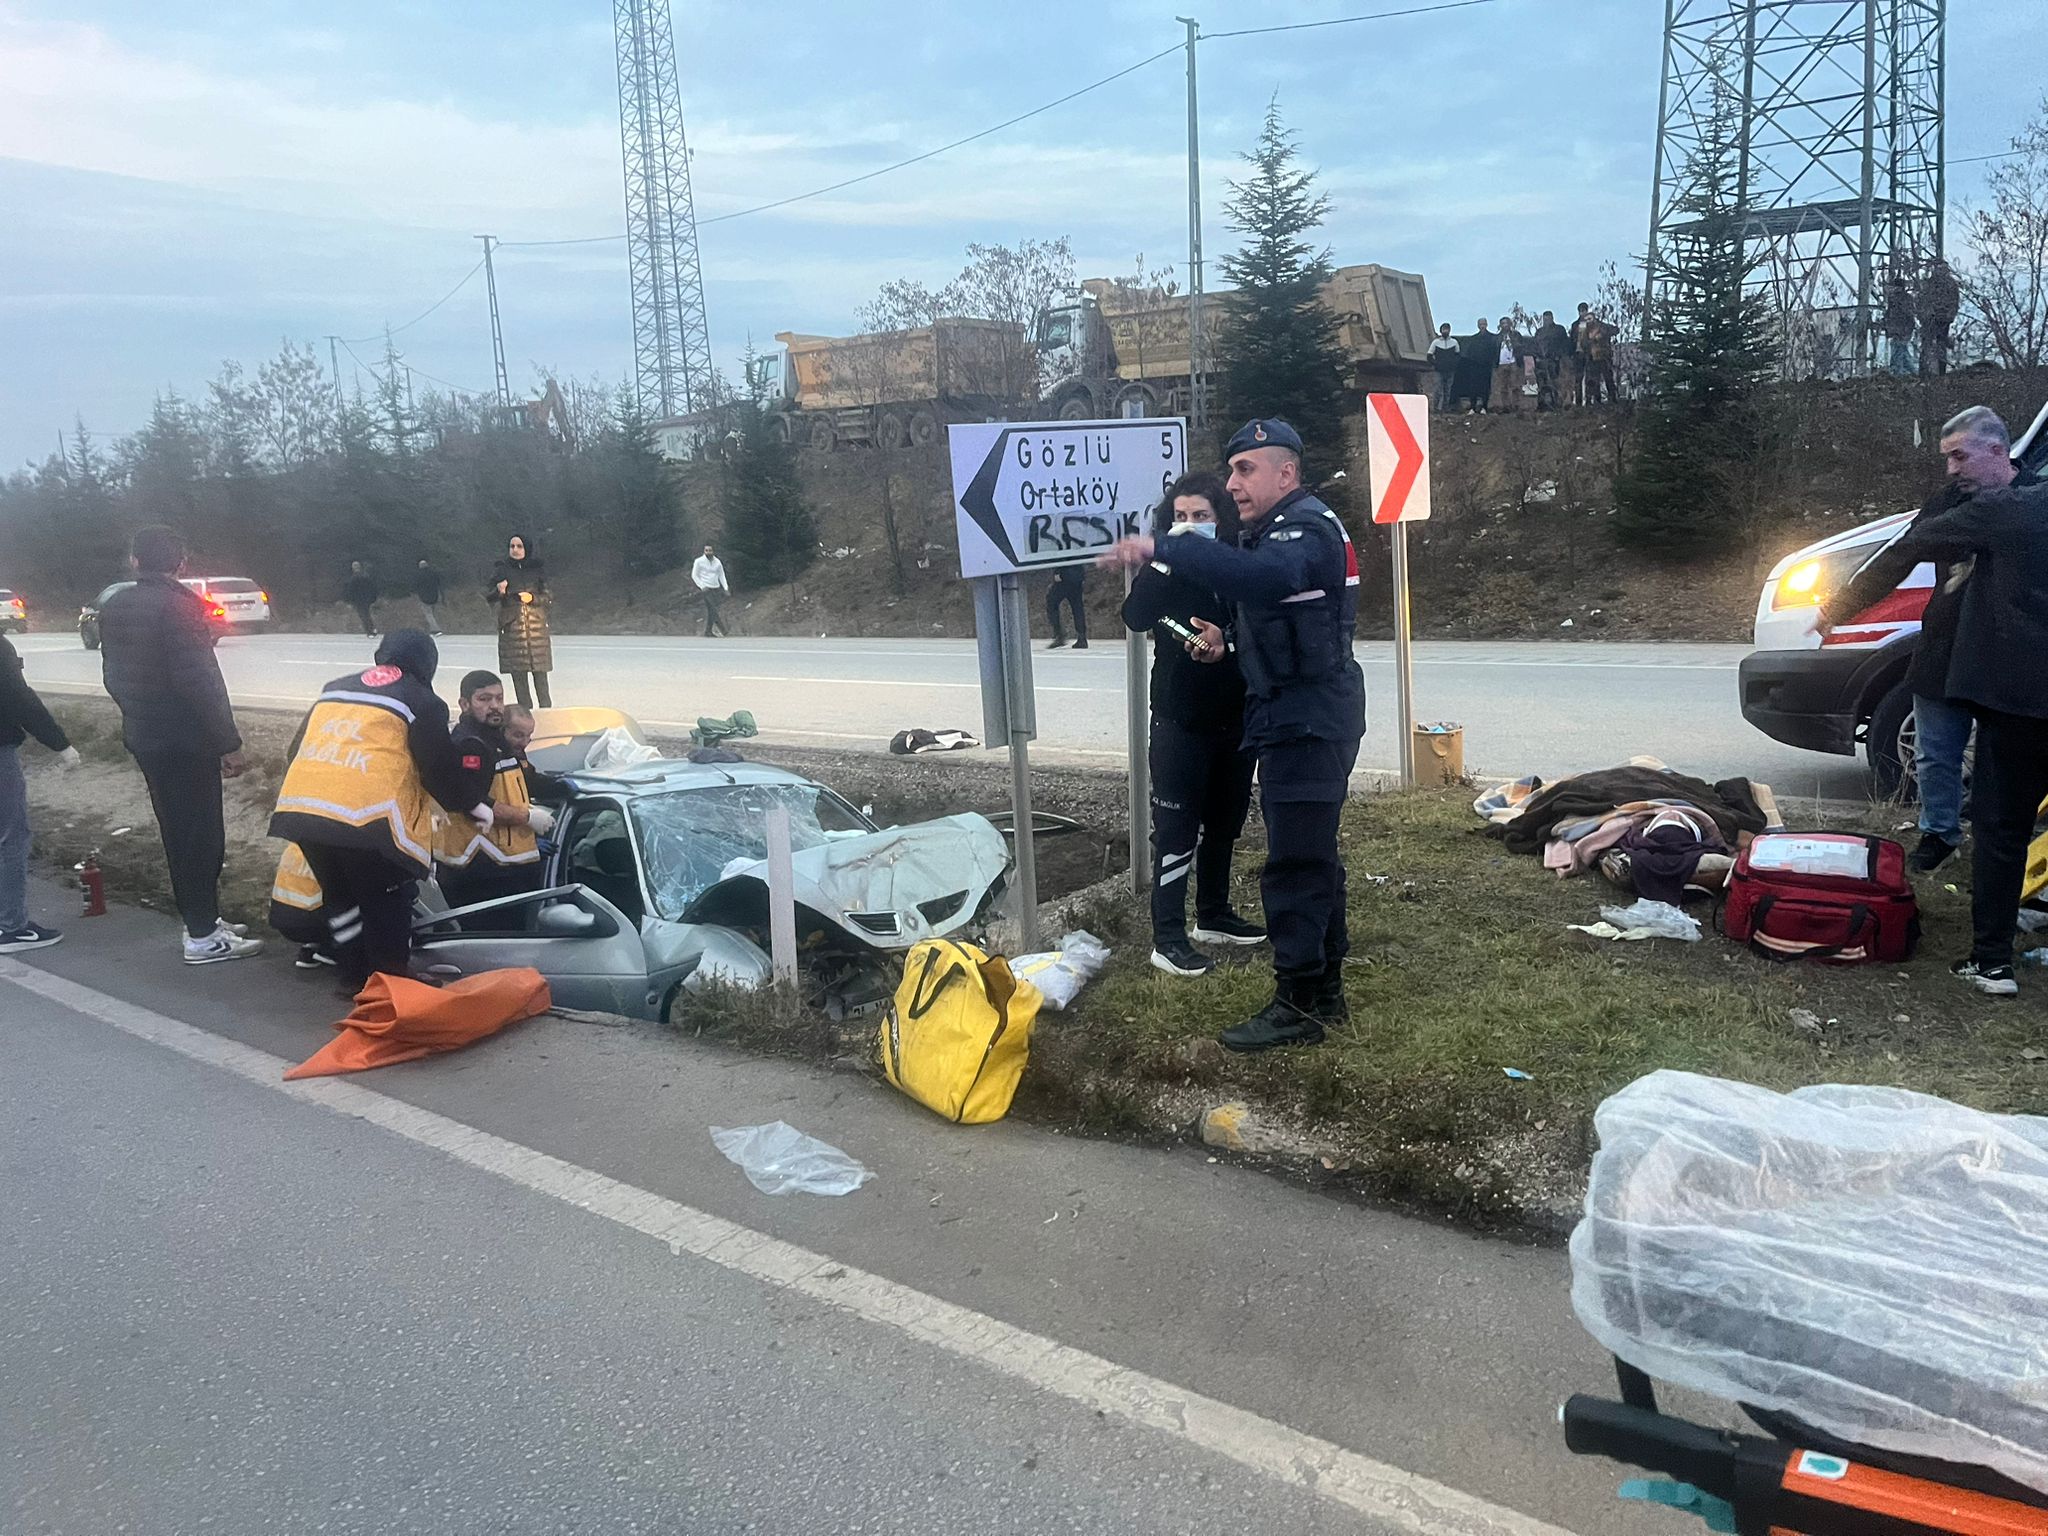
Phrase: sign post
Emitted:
{"points": [[1397, 454], [1039, 495]]}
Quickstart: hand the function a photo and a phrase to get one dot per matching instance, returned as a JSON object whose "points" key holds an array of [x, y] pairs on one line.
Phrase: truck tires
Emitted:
{"points": [[824, 437], [1135, 400], [890, 430], [1076, 407], [924, 428]]}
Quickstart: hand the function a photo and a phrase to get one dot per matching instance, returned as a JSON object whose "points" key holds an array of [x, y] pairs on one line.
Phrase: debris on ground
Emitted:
{"points": [[1805, 1020], [1059, 974], [778, 1158], [1644, 919]]}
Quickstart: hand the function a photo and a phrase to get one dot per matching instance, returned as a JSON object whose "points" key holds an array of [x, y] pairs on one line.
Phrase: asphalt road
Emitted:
{"points": [[1526, 707], [516, 1289]]}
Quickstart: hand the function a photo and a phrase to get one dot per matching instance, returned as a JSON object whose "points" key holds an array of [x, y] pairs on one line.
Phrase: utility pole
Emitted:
{"points": [[334, 362], [497, 330], [1197, 353]]}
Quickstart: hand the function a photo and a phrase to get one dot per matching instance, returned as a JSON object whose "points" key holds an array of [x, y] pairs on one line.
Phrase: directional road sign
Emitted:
{"points": [[1397, 453], [1032, 495]]}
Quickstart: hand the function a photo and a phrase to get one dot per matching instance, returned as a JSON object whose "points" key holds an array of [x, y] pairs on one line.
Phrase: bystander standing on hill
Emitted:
{"points": [[360, 593], [22, 715]]}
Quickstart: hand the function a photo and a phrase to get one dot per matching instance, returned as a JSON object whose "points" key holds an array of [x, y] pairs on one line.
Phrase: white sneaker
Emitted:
{"points": [[239, 930], [218, 946]]}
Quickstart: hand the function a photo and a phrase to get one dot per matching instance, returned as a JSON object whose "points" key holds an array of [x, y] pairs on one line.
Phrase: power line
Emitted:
{"points": [[416, 319], [1340, 21]]}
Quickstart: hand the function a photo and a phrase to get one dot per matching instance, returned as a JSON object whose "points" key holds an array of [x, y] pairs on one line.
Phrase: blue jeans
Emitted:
{"points": [[1941, 731], [13, 842]]}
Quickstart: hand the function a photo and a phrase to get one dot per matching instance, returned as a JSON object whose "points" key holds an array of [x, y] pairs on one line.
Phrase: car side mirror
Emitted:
{"points": [[565, 920]]}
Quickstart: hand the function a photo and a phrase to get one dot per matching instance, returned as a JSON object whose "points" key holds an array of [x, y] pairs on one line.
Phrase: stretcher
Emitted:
{"points": [[1862, 1272]]}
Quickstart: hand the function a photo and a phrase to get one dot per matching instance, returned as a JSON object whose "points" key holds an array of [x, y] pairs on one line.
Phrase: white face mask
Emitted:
{"points": [[1200, 530]]}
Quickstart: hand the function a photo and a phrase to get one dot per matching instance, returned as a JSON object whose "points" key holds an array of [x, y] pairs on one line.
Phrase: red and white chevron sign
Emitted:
{"points": [[1397, 454]]}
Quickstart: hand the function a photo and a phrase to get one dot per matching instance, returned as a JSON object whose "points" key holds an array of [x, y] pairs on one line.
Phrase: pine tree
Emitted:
{"points": [[1278, 354], [769, 531], [651, 519], [1710, 353]]}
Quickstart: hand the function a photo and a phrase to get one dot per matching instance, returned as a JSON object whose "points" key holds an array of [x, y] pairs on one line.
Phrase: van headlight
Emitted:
{"points": [[1809, 583]]}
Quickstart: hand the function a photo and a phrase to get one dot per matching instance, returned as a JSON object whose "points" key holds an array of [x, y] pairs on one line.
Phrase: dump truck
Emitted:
{"points": [[1115, 351], [895, 388]]}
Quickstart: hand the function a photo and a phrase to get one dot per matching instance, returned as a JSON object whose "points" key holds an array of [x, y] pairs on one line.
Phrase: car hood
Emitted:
{"points": [[887, 889]]}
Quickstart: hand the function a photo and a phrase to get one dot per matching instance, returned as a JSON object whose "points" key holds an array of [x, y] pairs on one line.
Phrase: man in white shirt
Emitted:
{"points": [[709, 575]]}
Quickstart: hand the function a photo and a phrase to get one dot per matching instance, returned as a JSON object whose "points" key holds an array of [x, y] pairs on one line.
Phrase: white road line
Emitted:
{"points": [[897, 682], [1370, 1488]]}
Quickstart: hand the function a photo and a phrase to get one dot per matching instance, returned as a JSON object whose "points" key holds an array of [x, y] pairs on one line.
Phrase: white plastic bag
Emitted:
{"points": [[617, 749], [1657, 919], [1869, 1261], [1059, 974], [778, 1158]]}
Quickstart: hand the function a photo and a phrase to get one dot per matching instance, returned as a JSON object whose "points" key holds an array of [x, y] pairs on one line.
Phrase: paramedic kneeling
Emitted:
{"points": [[1292, 587], [371, 759]]}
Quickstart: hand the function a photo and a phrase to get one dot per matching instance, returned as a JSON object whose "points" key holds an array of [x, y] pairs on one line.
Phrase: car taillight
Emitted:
{"points": [[263, 597], [220, 613]]}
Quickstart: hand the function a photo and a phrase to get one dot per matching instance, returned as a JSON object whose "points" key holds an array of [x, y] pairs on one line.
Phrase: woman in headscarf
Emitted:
{"points": [[519, 592]]}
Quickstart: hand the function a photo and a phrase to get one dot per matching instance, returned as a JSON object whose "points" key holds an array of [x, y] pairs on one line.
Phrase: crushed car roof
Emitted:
{"points": [[666, 775]]}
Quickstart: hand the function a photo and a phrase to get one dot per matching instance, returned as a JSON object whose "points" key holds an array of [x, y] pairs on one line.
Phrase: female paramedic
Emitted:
{"points": [[1201, 773]]}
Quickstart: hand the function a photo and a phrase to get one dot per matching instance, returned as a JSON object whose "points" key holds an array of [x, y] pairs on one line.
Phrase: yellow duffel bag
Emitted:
{"points": [[958, 1035]]}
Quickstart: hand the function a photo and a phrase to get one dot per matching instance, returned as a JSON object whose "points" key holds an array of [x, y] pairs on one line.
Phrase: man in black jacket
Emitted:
{"points": [[2001, 631], [156, 657], [1067, 588], [21, 715], [360, 593], [1201, 772], [427, 585], [1978, 457]]}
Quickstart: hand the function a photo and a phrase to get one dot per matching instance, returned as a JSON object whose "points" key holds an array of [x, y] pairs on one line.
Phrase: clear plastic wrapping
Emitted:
{"points": [[1871, 1262]]}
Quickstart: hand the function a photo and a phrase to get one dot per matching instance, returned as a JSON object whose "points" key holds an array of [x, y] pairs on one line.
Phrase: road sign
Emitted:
{"points": [[1397, 453], [1034, 495]]}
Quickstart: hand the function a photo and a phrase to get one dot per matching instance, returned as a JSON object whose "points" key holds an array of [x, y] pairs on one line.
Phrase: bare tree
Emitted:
{"points": [[1014, 285], [2005, 283]]}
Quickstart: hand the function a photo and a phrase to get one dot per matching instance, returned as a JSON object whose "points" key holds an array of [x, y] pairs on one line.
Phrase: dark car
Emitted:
{"points": [[89, 615], [13, 613]]}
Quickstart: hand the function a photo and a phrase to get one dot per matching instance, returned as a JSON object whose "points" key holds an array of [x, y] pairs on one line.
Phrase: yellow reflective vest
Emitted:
{"points": [[458, 842], [371, 760]]}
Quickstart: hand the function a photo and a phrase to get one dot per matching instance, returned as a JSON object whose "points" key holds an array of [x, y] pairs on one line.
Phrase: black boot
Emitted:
{"points": [[1290, 1019], [1331, 1006]]}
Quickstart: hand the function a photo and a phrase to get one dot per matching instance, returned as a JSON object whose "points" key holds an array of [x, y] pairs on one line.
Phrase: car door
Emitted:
{"points": [[585, 947]]}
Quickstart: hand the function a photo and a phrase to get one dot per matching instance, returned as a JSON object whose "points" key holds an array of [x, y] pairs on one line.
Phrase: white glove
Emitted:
{"points": [[68, 758], [541, 819], [481, 814]]}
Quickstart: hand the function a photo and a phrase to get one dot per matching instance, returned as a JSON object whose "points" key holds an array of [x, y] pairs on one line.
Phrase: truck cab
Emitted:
{"points": [[1850, 689]]}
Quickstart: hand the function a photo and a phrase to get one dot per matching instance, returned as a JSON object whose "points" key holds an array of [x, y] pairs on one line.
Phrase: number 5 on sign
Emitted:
{"points": [[1397, 454]]}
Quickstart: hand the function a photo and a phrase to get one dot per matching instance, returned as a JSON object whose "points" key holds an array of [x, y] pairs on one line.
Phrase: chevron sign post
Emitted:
{"points": [[1397, 454]]}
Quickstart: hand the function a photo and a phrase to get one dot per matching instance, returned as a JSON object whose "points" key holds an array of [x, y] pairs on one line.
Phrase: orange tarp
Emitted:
{"points": [[397, 1019]]}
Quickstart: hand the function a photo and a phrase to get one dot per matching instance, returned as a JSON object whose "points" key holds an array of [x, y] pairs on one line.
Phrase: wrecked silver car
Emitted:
{"points": [[655, 881]]}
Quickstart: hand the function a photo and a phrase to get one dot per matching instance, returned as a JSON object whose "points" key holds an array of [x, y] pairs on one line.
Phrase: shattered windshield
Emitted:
{"points": [[689, 839]]}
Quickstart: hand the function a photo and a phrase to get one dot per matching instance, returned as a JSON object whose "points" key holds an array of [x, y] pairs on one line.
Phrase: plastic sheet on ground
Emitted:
{"points": [[777, 1159], [1869, 1261], [1643, 919], [1060, 973]]}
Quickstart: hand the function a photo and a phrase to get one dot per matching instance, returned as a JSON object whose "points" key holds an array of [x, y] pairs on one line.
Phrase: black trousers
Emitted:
{"points": [[713, 601], [369, 910], [1302, 785], [1060, 592], [1201, 789], [525, 693], [464, 885], [2006, 790], [184, 790], [363, 613]]}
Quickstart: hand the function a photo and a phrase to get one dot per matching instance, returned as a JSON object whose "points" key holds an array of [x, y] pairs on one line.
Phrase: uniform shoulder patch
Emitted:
{"points": [[472, 761], [382, 677], [1278, 535]]}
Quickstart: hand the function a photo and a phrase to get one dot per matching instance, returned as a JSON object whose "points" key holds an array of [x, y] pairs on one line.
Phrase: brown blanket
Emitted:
{"points": [[1732, 803]]}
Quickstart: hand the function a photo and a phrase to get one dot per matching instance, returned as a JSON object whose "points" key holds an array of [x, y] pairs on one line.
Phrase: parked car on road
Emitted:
{"points": [[13, 613], [1830, 695], [89, 615], [655, 881]]}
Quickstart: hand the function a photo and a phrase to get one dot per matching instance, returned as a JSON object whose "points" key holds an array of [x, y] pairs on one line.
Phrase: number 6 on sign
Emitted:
{"points": [[1397, 456]]}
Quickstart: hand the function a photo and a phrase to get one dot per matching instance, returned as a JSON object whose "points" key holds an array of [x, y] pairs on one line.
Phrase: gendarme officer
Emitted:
{"points": [[1292, 587]]}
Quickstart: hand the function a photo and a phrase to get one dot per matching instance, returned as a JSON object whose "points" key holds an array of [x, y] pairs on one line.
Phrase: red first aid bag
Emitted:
{"points": [[1830, 896]]}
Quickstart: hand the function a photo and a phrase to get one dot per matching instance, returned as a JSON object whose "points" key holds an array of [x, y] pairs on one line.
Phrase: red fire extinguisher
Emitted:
{"points": [[92, 886]]}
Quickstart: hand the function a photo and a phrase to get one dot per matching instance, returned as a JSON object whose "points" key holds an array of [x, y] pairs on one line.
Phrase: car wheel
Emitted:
{"points": [[1889, 747]]}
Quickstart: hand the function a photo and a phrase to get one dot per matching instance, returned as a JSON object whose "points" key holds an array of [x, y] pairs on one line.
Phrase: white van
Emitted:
{"points": [[1829, 695]]}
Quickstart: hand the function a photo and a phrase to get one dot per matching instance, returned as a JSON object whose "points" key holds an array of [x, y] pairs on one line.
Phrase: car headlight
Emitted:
{"points": [[1811, 582]]}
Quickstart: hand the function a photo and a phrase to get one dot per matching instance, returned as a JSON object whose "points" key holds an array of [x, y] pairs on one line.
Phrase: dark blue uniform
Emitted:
{"points": [[1292, 587]]}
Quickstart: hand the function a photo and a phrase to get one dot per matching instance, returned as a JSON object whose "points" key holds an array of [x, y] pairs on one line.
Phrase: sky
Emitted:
{"points": [[183, 184]]}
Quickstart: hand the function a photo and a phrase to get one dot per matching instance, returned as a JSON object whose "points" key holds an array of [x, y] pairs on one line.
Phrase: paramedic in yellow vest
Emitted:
{"points": [[473, 865], [369, 764], [299, 911]]}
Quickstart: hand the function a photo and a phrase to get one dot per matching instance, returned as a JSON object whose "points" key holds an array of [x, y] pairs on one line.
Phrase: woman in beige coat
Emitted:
{"points": [[519, 592]]}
